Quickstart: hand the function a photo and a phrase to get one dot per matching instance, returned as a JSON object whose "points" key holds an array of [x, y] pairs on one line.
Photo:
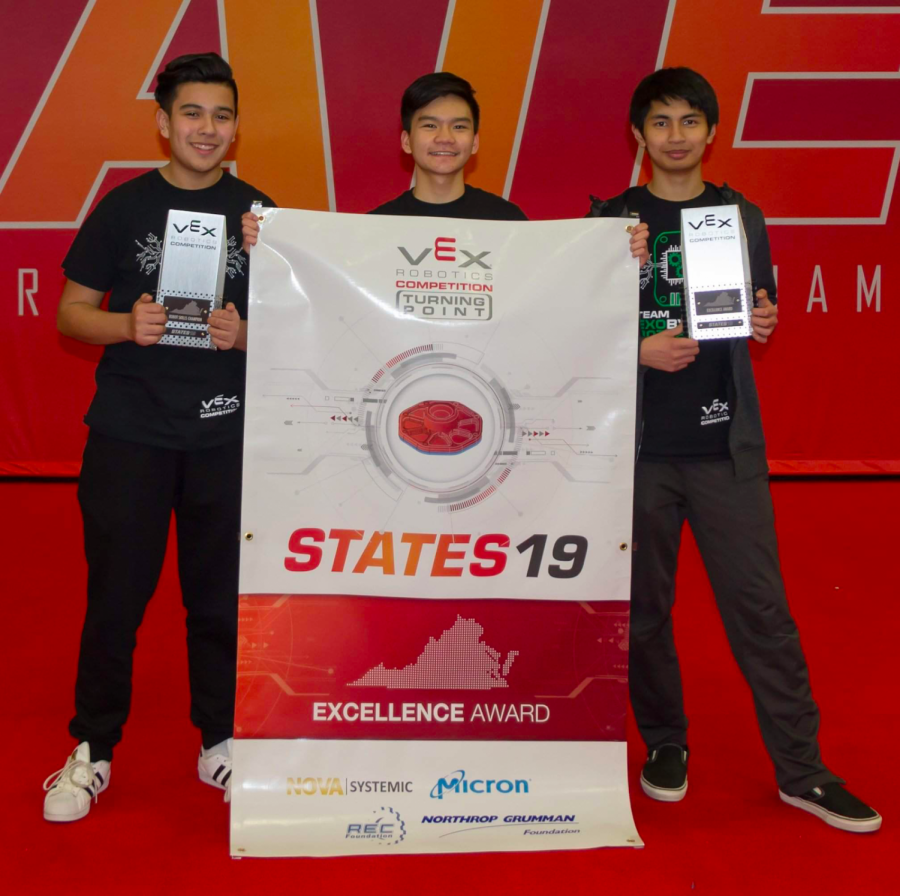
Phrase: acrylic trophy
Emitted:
{"points": [[718, 294], [192, 276]]}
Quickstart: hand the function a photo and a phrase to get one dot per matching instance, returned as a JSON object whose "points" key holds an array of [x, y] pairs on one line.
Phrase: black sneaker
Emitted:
{"points": [[837, 807], [665, 773]]}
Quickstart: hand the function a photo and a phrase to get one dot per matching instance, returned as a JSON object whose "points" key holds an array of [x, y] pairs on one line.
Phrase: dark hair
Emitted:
{"points": [[205, 68], [669, 84], [432, 87]]}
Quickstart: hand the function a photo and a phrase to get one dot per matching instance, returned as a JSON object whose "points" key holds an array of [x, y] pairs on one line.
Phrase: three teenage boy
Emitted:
{"points": [[673, 116], [153, 445]]}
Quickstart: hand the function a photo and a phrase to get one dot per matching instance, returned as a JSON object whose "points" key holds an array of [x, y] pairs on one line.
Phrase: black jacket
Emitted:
{"points": [[746, 441]]}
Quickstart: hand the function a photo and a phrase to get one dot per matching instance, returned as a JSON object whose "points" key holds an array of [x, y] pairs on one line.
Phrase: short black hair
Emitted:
{"points": [[669, 84], [432, 87], [204, 68]]}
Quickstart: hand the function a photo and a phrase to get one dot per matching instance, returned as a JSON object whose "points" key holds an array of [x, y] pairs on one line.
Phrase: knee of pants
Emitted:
{"points": [[647, 630], [764, 613], [213, 625]]}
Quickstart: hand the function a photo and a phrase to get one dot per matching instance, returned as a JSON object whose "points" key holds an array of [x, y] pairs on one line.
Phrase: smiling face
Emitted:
{"points": [[442, 137], [202, 125], [675, 135]]}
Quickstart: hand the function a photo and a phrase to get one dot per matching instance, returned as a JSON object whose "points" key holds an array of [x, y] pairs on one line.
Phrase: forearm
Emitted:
{"points": [[84, 322]]}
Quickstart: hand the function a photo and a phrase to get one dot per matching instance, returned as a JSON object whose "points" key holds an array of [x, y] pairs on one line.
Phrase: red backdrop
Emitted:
{"points": [[809, 131]]}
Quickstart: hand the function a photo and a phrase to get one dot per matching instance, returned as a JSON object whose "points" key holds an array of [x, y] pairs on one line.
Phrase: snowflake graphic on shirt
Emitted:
{"points": [[150, 255], [236, 258]]}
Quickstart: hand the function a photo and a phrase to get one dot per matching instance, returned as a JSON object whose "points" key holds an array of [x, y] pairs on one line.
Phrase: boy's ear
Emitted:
{"points": [[404, 143], [638, 136], [475, 145], [712, 134], [162, 121]]}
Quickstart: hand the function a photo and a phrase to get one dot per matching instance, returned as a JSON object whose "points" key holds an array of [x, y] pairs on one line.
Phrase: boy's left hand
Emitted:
{"points": [[223, 327], [640, 234], [764, 317]]}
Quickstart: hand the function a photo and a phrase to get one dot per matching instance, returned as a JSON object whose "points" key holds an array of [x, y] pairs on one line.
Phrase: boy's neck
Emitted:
{"points": [[677, 186], [185, 179], [438, 188]]}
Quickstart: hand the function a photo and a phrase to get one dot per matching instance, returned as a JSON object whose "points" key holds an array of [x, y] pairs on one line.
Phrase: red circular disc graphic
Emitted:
{"points": [[440, 427]]}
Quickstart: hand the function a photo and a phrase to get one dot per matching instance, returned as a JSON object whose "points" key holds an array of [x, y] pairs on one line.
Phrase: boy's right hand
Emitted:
{"points": [[662, 351], [148, 321], [250, 229]]}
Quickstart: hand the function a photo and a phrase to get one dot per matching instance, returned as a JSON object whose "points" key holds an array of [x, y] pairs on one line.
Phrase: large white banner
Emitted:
{"points": [[441, 410], [427, 377]]}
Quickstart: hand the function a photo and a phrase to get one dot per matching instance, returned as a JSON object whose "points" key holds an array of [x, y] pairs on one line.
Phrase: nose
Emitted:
{"points": [[676, 135], [445, 134], [207, 125]]}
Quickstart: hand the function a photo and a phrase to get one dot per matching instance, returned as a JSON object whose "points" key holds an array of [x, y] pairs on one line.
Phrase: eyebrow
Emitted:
{"points": [[662, 115], [436, 118], [201, 108]]}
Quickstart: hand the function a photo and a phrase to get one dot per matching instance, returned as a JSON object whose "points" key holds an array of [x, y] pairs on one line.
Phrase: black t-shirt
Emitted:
{"points": [[162, 395], [474, 203], [686, 414]]}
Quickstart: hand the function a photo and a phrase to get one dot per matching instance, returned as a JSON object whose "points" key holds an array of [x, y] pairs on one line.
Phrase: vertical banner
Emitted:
{"points": [[436, 552]]}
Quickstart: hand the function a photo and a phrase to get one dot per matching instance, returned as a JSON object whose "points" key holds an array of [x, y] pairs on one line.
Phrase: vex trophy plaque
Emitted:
{"points": [[718, 295], [192, 276]]}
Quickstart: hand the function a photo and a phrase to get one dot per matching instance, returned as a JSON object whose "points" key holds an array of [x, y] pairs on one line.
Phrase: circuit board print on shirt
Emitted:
{"points": [[665, 271], [668, 282]]}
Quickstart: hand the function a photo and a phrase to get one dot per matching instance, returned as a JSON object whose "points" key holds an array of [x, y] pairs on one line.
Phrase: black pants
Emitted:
{"points": [[127, 493], [734, 525]]}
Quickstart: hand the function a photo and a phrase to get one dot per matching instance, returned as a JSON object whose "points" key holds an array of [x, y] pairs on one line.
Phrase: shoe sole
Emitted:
{"points": [[664, 794], [63, 818], [853, 825]]}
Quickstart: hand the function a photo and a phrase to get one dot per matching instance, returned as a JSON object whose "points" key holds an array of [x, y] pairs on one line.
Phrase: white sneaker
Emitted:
{"points": [[71, 789], [215, 768]]}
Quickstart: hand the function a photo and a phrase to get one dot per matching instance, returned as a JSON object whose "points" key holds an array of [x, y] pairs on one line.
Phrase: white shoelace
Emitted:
{"points": [[64, 779]]}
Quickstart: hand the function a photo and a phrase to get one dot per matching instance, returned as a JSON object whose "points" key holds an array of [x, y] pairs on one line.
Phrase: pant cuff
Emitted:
{"points": [[804, 785]]}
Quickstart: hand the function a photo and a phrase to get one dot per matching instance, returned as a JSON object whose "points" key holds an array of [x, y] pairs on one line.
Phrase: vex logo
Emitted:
{"points": [[219, 406], [456, 782], [196, 226], [710, 221], [717, 412], [716, 407], [445, 250]]}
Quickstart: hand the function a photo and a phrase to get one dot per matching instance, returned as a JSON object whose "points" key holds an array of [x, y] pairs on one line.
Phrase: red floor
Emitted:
{"points": [[158, 830]]}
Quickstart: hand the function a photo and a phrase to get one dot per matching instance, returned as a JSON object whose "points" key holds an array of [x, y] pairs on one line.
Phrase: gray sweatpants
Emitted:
{"points": [[734, 526]]}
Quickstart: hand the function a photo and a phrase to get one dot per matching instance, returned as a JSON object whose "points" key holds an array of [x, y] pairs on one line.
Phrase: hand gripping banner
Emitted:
{"points": [[436, 553]]}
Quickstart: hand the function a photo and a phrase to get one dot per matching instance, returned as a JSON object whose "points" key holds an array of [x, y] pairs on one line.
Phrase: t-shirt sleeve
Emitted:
{"points": [[391, 207], [94, 256], [516, 214], [761, 271]]}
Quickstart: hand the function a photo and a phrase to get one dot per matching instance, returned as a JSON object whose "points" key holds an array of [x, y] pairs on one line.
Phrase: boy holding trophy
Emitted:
{"points": [[701, 455], [166, 422]]}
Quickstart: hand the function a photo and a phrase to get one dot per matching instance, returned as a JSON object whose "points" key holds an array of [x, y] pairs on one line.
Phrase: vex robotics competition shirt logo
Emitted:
{"points": [[456, 288], [457, 783], [220, 406]]}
